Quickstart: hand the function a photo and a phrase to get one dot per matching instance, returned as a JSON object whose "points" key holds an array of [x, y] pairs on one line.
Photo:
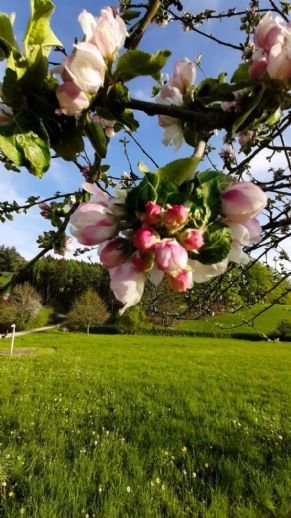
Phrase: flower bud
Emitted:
{"points": [[142, 262], [181, 282], [176, 217], [191, 239], [86, 68], [242, 201], [153, 213], [184, 74], [145, 239]]}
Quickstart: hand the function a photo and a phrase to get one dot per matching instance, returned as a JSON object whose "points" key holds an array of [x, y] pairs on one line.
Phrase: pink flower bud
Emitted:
{"points": [[170, 256], [145, 239], [191, 239], [153, 213], [115, 252], [242, 201], [184, 74], [90, 235], [181, 282], [176, 216], [71, 99], [244, 138]]}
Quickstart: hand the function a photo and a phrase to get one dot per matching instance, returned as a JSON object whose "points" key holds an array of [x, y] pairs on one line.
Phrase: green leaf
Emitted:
{"points": [[241, 74], [178, 171], [7, 39], [136, 63], [143, 167], [212, 185], [130, 14], [66, 138], [138, 197], [26, 143], [217, 244], [97, 137], [248, 106], [38, 31]]}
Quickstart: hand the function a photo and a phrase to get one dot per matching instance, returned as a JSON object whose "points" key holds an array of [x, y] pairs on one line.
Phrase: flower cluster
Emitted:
{"points": [[273, 54], [167, 239], [174, 92], [84, 71]]}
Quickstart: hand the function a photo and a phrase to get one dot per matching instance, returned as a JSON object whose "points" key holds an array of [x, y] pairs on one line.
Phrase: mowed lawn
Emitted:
{"points": [[145, 426]]}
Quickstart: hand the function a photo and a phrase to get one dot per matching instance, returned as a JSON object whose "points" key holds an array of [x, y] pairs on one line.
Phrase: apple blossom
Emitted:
{"points": [[71, 99], [170, 256], [115, 252], [107, 32], [191, 239], [269, 32], [145, 239], [103, 228], [279, 63], [86, 68], [176, 216], [127, 284], [184, 74], [242, 201], [206, 272], [247, 232], [182, 281]]}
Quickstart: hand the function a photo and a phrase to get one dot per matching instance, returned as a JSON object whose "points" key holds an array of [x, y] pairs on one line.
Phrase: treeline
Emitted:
{"points": [[60, 282]]}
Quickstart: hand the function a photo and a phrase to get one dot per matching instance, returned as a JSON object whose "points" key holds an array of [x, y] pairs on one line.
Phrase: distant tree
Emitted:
{"points": [[26, 303], [7, 315], [10, 259], [88, 310]]}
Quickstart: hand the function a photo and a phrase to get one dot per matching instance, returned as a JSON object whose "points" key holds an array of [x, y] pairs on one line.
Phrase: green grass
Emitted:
{"points": [[145, 427], [5, 277], [233, 324]]}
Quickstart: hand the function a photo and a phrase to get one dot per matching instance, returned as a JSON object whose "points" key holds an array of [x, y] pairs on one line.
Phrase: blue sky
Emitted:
{"points": [[64, 177]]}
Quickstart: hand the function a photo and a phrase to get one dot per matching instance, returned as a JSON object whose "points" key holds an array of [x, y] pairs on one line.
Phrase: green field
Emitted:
{"points": [[233, 324], [145, 427]]}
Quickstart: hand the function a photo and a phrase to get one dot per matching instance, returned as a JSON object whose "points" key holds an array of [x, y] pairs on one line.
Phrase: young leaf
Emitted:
{"points": [[136, 63], [7, 39], [38, 31], [212, 184], [97, 137], [178, 171], [217, 244]]}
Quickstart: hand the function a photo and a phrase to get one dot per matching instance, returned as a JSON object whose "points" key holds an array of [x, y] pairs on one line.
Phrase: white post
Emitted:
{"points": [[12, 339]]}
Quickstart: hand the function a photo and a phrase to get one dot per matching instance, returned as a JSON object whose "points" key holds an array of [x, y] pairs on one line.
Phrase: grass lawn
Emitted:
{"points": [[229, 324], [145, 427]]}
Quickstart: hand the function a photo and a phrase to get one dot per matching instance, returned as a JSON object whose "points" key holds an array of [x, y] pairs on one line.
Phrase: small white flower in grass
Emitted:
{"points": [[4, 484], [100, 489], [194, 475], [158, 480], [152, 483], [128, 489], [184, 472], [22, 510], [280, 437], [163, 487]]}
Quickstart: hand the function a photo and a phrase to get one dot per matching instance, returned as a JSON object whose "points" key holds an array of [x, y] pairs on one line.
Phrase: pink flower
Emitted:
{"points": [[93, 222], [145, 239], [191, 239], [181, 282], [184, 74], [115, 252], [176, 216], [247, 232], [259, 63], [107, 32], [71, 99], [269, 32], [173, 134], [86, 67], [170, 256], [153, 213], [242, 201], [279, 63], [44, 210], [127, 284]]}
